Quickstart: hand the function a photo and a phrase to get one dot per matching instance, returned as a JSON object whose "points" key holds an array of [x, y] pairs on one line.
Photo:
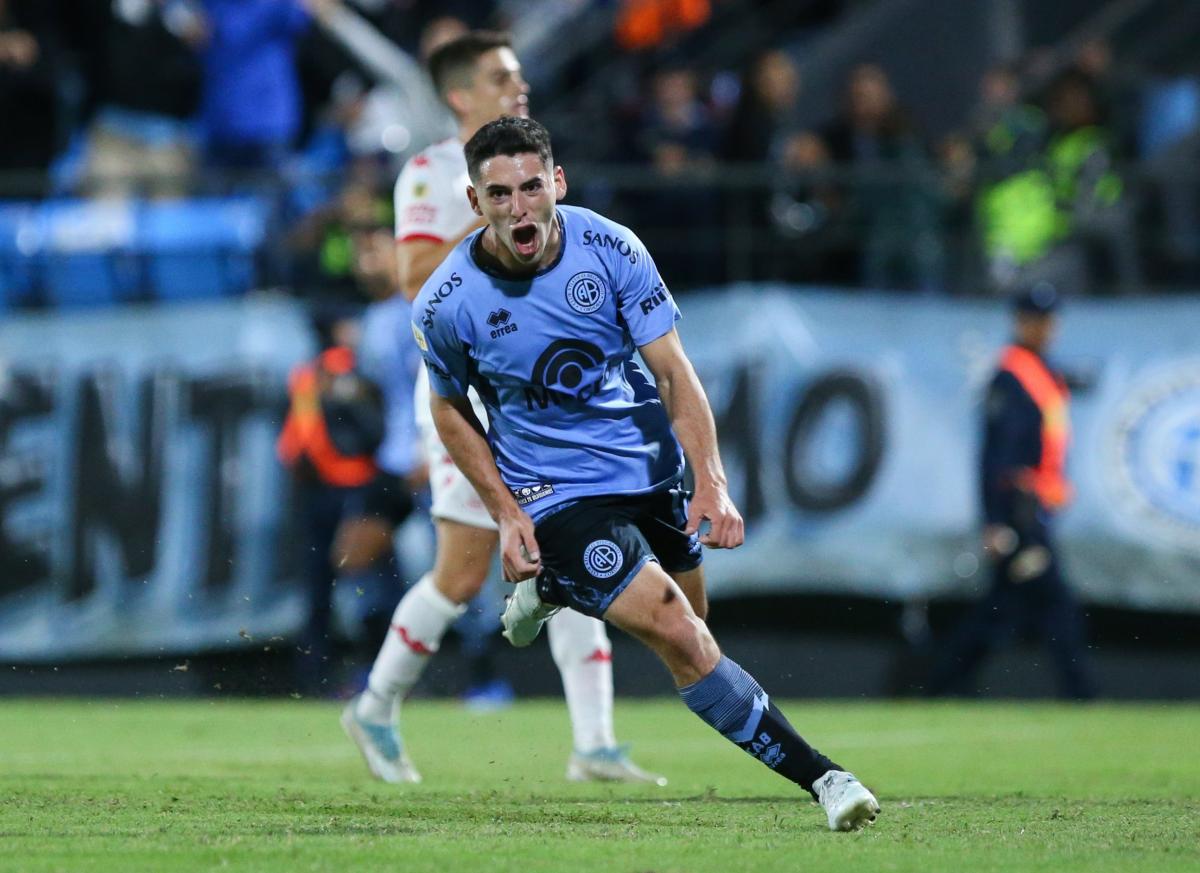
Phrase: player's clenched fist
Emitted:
{"points": [[726, 529], [519, 554]]}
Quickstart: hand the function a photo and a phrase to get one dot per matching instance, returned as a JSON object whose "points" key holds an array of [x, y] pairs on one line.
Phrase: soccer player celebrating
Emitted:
{"points": [[479, 77], [580, 464]]}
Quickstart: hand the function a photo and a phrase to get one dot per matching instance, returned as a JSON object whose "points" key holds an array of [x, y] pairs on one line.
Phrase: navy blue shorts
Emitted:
{"points": [[594, 547], [386, 497]]}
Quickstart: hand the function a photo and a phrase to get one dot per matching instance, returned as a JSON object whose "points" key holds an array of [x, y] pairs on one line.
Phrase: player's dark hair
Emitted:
{"points": [[509, 135], [453, 64]]}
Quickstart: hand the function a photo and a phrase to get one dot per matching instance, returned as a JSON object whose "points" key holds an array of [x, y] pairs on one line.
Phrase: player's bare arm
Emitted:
{"points": [[418, 258], [692, 420], [463, 436]]}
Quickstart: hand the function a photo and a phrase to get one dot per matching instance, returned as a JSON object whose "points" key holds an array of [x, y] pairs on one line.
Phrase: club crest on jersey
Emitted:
{"points": [[586, 292], [501, 323], [603, 559]]}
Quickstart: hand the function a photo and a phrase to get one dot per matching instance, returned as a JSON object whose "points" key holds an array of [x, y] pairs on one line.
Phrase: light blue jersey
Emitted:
{"points": [[570, 415], [387, 356]]}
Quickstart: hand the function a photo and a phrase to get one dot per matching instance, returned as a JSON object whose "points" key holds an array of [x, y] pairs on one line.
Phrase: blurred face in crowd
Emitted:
{"points": [[869, 94], [999, 87], [375, 266], [1071, 105], [1036, 330], [517, 194], [1094, 58], [496, 89], [776, 81], [674, 92]]}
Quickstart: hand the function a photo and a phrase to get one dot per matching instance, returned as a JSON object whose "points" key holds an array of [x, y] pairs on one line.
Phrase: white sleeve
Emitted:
{"points": [[424, 208]]}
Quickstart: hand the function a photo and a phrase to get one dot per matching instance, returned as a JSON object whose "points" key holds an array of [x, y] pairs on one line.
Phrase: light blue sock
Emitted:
{"points": [[731, 701], [728, 699]]}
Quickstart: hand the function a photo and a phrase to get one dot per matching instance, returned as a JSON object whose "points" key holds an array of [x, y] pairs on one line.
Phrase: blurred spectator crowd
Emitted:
{"points": [[309, 107]]}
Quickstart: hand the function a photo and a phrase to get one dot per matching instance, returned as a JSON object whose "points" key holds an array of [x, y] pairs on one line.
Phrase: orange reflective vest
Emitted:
{"points": [[644, 24], [304, 433], [1048, 481]]}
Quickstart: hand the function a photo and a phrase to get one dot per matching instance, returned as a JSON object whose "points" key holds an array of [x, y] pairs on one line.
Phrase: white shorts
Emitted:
{"points": [[454, 498]]}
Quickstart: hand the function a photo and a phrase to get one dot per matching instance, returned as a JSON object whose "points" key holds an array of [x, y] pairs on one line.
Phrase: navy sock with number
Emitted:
{"points": [[731, 701]]}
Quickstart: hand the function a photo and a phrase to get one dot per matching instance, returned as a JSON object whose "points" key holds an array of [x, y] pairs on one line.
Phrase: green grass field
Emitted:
{"points": [[131, 786]]}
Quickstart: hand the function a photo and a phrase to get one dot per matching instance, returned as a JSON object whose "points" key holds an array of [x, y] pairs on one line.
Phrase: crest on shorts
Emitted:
{"points": [[586, 292], [603, 559]]}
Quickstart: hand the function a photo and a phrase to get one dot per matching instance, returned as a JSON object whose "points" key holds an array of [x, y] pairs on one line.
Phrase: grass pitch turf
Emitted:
{"points": [[275, 786]]}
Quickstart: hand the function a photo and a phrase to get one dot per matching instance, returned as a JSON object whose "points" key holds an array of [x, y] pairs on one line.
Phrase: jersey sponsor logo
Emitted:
{"points": [[657, 297], [501, 323], [420, 190], [559, 373], [420, 213], [435, 299], [586, 292], [603, 559], [610, 241], [530, 493]]}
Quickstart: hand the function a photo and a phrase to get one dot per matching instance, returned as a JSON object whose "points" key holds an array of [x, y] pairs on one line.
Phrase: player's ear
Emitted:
{"points": [[473, 198], [459, 102], [560, 183]]}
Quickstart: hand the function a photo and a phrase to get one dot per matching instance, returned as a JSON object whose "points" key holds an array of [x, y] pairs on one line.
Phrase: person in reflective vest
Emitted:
{"points": [[1024, 485], [322, 436], [328, 440]]}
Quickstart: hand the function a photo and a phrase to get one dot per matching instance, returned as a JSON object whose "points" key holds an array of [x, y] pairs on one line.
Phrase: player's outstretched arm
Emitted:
{"points": [[462, 434], [692, 420]]}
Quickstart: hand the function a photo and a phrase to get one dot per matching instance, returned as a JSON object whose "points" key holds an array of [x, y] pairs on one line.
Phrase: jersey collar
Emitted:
{"points": [[485, 262]]}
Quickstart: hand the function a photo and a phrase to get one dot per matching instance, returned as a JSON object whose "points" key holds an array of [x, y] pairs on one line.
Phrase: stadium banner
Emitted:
{"points": [[851, 424], [142, 510]]}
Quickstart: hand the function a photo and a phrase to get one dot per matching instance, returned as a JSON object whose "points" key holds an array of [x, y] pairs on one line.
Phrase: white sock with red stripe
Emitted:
{"points": [[418, 625], [583, 654]]}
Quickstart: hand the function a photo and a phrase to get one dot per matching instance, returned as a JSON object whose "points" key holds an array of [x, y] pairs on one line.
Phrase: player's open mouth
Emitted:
{"points": [[525, 239]]}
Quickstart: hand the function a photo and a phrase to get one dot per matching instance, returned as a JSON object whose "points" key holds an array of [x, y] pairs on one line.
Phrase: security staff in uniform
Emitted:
{"points": [[328, 439], [1023, 483]]}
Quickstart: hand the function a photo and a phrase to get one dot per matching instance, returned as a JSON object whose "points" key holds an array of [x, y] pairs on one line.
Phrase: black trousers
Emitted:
{"points": [[1019, 605], [321, 509]]}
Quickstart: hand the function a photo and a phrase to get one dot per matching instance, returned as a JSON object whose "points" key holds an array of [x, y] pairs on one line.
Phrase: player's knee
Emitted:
{"points": [[458, 587], [691, 650]]}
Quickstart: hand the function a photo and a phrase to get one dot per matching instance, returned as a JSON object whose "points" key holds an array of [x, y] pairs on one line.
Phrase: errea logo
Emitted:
{"points": [[501, 324]]}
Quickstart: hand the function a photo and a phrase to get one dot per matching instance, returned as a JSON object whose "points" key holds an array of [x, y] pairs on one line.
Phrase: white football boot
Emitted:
{"points": [[380, 746], [847, 801], [609, 765], [525, 613]]}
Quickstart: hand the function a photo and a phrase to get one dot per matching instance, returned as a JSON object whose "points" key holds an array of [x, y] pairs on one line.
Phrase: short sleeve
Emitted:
{"points": [[443, 351], [422, 210], [646, 305]]}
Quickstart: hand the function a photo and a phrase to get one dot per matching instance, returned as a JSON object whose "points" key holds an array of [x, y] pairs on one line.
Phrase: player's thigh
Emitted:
{"points": [[360, 542], [663, 520], [464, 558], [454, 498], [691, 583], [370, 520], [654, 609]]}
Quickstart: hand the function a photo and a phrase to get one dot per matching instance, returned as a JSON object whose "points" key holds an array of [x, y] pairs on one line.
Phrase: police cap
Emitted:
{"points": [[1039, 299]]}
